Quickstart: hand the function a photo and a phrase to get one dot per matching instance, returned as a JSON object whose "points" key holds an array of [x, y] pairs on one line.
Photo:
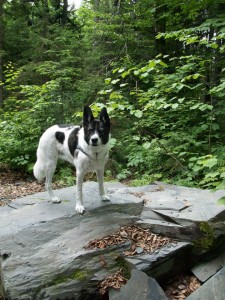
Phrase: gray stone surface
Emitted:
{"points": [[207, 269], [166, 261], [182, 205], [213, 289], [139, 287], [44, 242], [176, 211]]}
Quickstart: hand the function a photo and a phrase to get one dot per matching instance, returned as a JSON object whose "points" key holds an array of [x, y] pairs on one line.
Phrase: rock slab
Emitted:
{"points": [[213, 289], [139, 287], [43, 243]]}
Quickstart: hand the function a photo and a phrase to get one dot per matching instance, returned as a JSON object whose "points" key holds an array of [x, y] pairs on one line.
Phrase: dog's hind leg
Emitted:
{"points": [[50, 169], [100, 175], [79, 197]]}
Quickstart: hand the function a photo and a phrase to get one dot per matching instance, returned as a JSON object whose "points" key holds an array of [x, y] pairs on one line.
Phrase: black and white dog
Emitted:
{"points": [[85, 147]]}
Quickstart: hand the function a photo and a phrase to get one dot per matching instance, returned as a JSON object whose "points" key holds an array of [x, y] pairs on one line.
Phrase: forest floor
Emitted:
{"points": [[15, 184]]}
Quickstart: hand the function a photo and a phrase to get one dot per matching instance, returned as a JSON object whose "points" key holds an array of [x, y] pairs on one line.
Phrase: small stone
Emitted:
{"points": [[123, 233], [181, 286], [139, 250]]}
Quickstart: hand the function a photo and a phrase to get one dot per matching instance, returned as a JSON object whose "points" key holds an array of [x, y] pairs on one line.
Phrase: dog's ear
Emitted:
{"points": [[87, 115], [104, 117]]}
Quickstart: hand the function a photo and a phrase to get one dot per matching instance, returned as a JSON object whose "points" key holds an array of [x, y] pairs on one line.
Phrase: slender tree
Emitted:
{"points": [[64, 12], [1, 53]]}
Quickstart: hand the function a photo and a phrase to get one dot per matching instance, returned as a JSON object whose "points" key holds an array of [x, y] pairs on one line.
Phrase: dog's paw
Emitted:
{"points": [[80, 209], [56, 200], [105, 197]]}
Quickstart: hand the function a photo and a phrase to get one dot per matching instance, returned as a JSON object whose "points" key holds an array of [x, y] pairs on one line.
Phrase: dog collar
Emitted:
{"points": [[82, 150]]}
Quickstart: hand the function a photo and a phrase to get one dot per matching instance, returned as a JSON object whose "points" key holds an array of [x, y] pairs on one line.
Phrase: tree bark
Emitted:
{"points": [[2, 290], [65, 10], [160, 26], [1, 53]]}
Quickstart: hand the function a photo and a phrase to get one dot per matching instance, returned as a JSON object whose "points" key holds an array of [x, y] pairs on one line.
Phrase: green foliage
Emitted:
{"points": [[174, 118], [29, 110], [65, 175], [158, 66]]}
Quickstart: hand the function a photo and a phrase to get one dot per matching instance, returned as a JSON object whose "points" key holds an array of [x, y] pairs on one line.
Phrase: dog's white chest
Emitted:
{"points": [[90, 164]]}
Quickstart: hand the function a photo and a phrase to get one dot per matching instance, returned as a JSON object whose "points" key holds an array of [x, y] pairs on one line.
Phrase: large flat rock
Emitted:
{"points": [[43, 243]]}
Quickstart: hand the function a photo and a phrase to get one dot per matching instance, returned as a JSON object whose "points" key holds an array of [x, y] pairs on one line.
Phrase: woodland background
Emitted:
{"points": [[158, 66]]}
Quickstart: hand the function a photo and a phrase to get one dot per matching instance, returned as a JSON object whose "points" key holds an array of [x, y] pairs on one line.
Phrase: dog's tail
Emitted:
{"points": [[39, 170]]}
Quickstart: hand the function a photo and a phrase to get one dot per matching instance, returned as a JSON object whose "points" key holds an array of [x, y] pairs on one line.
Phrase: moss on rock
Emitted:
{"points": [[207, 238]]}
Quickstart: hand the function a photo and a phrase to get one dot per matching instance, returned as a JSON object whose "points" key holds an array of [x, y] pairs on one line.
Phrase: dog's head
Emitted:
{"points": [[96, 131]]}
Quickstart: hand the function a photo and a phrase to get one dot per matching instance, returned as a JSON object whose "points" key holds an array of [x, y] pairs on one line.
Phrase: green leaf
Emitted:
{"points": [[147, 145], [144, 75], [175, 105], [107, 80], [138, 113], [210, 162], [221, 201], [121, 70], [195, 76], [152, 64], [121, 107], [212, 175], [115, 81], [115, 70], [124, 74]]}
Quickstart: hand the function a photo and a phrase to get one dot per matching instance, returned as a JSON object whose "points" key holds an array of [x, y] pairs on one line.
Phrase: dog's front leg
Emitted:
{"points": [[79, 200], [100, 175]]}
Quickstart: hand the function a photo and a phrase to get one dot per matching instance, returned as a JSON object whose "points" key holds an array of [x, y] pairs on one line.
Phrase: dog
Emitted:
{"points": [[86, 147]]}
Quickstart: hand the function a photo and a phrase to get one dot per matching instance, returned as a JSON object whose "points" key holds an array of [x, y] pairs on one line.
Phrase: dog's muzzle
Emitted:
{"points": [[95, 141]]}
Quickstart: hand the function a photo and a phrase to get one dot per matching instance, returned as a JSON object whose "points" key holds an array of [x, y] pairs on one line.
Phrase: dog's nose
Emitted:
{"points": [[94, 140]]}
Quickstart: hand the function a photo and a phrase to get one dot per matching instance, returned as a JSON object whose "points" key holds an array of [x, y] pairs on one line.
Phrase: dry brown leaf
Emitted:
{"points": [[140, 237], [115, 281], [182, 287]]}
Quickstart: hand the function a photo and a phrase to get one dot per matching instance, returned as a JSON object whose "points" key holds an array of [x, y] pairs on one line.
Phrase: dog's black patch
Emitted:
{"points": [[73, 140], [60, 136], [104, 132]]}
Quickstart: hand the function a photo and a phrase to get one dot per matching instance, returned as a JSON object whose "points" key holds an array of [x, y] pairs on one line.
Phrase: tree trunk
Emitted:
{"points": [[1, 53], [2, 290], [160, 26], [65, 10]]}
